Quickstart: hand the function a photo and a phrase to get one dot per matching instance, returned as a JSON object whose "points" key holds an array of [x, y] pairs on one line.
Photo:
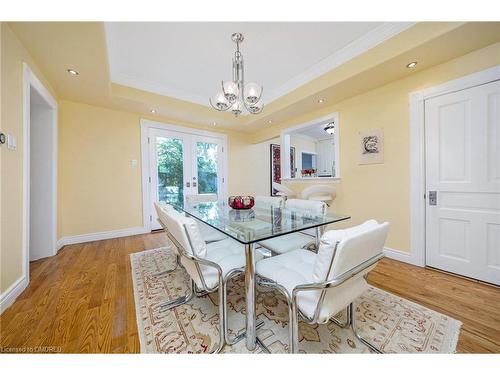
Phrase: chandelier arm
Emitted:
{"points": [[217, 109]]}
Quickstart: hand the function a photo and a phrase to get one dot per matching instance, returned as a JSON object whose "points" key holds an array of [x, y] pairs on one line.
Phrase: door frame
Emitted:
{"points": [[146, 125], [417, 152], [31, 81]]}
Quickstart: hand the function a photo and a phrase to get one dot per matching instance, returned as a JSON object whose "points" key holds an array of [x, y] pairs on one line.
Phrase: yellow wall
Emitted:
{"points": [[379, 191], [98, 188], [13, 56]]}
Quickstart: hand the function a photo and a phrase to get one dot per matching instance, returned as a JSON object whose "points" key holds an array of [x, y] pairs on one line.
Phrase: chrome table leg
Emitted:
{"points": [[251, 336]]}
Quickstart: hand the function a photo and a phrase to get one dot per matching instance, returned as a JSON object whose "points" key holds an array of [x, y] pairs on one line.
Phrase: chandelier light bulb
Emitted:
{"points": [[236, 108], [255, 108], [221, 103], [230, 90], [252, 92]]}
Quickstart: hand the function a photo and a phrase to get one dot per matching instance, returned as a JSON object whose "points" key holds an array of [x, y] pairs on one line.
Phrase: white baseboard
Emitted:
{"points": [[8, 297], [81, 238], [401, 256]]}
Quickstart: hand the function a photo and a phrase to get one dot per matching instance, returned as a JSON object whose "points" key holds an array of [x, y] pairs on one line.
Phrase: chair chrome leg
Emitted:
{"points": [[348, 319], [222, 315], [353, 326], [294, 327], [166, 272], [179, 301]]}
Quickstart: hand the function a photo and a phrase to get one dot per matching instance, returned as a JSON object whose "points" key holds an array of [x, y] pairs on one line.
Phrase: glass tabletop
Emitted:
{"points": [[259, 223]]}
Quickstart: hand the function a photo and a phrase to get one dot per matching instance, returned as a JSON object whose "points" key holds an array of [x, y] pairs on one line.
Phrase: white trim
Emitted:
{"points": [[285, 143], [402, 256], [8, 297], [146, 125], [417, 151], [82, 238], [355, 48], [30, 80]]}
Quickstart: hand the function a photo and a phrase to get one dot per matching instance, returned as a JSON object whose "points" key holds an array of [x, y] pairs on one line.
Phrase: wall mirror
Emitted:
{"points": [[316, 147]]}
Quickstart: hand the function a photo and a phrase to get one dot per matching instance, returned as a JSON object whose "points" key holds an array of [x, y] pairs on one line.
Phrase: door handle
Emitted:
{"points": [[433, 198]]}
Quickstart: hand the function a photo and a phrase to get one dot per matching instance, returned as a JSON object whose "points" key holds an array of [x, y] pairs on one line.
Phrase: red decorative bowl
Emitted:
{"points": [[239, 202]]}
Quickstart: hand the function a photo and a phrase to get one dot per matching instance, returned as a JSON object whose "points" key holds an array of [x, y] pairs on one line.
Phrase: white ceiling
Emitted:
{"points": [[188, 60]]}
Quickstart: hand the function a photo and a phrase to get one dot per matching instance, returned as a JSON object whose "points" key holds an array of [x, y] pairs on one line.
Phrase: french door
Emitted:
{"points": [[462, 132], [183, 164]]}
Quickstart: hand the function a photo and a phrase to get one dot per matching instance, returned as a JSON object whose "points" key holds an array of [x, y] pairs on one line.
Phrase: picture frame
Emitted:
{"points": [[371, 147], [275, 165]]}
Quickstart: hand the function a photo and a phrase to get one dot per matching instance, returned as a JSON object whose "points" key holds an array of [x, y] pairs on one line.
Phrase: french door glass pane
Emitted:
{"points": [[206, 158], [170, 161]]}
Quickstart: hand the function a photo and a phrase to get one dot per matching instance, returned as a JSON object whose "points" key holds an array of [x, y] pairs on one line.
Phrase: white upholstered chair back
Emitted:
{"points": [[187, 234], [283, 191], [356, 246], [200, 198], [263, 201], [324, 193], [314, 207]]}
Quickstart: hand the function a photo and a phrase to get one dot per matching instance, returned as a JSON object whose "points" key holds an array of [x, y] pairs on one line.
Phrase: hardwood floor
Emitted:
{"points": [[82, 301]]}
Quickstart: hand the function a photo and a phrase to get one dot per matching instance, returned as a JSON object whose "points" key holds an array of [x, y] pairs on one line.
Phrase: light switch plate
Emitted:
{"points": [[133, 163], [11, 142]]}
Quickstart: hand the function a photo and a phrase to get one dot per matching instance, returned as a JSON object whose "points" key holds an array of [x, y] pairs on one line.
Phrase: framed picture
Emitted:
{"points": [[371, 150], [275, 158]]}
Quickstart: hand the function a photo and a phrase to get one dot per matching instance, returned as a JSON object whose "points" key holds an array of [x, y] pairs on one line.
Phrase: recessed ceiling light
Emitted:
{"points": [[153, 111], [270, 122], [73, 72], [412, 65], [214, 123], [321, 100]]}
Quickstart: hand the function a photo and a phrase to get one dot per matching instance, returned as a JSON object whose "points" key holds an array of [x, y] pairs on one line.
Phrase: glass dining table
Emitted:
{"points": [[248, 227]]}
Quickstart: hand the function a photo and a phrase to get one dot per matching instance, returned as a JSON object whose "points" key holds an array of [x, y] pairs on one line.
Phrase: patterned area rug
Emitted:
{"points": [[390, 323]]}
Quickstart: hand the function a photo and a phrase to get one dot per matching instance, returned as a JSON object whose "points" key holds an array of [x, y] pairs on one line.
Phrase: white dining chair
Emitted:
{"points": [[319, 286], [283, 191], [304, 239], [323, 193], [264, 201], [209, 266]]}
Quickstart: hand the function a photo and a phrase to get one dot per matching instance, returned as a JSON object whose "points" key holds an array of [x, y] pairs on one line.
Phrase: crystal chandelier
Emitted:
{"points": [[236, 95]]}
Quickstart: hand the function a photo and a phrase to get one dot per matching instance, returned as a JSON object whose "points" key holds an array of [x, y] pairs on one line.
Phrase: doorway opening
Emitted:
{"points": [[40, 171]]}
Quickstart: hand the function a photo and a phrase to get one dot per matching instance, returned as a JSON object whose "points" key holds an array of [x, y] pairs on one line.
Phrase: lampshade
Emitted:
{"points": [[252, 92], [221, 103], [330, 128], [236, 108], [230, 90], [255, 108]]}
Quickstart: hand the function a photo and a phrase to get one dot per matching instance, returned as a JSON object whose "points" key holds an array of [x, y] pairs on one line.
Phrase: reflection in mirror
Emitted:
{"points": [[315, 149]]}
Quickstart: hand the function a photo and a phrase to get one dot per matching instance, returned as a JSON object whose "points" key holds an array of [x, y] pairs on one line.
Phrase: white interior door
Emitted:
{"points": [[183, 164], [463, 182]]}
